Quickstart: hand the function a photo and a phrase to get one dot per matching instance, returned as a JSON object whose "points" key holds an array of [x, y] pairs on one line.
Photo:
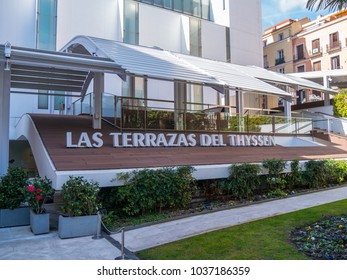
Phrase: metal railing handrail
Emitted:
{"points": [[139, 113]]}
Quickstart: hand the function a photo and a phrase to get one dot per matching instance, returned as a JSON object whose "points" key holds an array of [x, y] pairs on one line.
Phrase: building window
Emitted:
{"points": [[195, 37], [334, 40], [279, 57], [317, 66], [228, 49], [46, 25], [131, 22], [280, 70], [197, 8], [335, 62], [205, 9], [42, 100], [300, 53], [300, 69], [315, 46], [59, 102], [194, 97], [178, 5], [264, 43], [266, 62], [280, 37], [168, 4], [134, 87]]}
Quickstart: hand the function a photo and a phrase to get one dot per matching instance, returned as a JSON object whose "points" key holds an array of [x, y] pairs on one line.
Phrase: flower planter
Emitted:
{"points": [[16, 217], [77, 226], [39, 223]]}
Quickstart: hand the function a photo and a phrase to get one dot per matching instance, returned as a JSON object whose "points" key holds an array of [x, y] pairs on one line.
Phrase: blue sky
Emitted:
{"points": [[275, 11]]}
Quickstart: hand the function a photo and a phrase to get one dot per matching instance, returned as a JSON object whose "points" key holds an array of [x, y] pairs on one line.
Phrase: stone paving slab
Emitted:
{"points": [[18, 243]]}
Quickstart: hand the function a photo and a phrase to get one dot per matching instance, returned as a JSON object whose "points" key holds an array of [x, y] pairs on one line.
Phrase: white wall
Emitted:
{"points": [[18, 22], [159, 27], [245, 32], [94, 18], [219, 15], [213, 40]]}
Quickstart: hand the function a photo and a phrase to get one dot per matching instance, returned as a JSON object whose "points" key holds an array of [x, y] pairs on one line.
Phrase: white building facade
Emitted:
{"points": [[222, 30]]}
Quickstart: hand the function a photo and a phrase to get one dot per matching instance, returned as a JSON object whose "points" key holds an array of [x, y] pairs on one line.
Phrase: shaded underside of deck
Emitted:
{"points": [[53, 128]]}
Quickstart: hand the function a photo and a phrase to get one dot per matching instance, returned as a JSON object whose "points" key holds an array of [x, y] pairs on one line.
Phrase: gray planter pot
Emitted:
{"points": [[39, 223], [16, 217], [77, 226]]}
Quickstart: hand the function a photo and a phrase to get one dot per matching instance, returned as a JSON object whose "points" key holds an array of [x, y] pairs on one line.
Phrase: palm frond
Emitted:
{"points": [[331, 5]]}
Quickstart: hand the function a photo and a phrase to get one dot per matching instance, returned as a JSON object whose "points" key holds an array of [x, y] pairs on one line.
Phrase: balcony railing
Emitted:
{"points": [[154, 114], [279, 60], [298, 57], [334, 46]]}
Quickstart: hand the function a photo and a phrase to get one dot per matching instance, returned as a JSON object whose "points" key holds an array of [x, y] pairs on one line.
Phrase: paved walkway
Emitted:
{"points": [[155, 235], [19, 243]]}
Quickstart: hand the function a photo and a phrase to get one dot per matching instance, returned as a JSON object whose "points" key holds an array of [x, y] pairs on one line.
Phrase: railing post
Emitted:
{"points": [[328, 128], [247, 118], [296, 126], [122, 244], [98, 227]]}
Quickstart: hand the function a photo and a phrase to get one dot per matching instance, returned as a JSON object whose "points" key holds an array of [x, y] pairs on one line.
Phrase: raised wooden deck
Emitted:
{"points": [[53, 128]]}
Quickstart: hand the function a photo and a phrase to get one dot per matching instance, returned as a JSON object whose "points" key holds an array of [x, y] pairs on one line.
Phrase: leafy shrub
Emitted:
{"points": [[277, 193], [80, 197], [11, 188], [340, 104], [316, 173], [37, 191], [151, 190], [337, 171], [275, 177], [295, 178], [243, 180]]}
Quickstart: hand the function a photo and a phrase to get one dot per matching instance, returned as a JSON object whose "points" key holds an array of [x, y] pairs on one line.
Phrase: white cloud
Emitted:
{"points": [[290, 5]]}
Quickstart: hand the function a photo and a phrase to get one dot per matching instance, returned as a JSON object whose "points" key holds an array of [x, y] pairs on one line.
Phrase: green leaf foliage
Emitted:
{"points": [[243, 180], [80, 197], [316, 173], [150, 190], [11, 188], [340, 104], [275, 177], [295, 179]]}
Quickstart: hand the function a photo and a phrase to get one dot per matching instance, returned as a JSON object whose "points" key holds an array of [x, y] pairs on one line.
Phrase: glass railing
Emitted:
{"points": [[157, 114], [135, 113], [85, 106]]}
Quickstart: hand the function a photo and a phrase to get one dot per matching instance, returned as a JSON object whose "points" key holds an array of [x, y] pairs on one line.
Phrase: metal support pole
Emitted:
{"points": [[5, 89], [329, 127], [122, 244]]}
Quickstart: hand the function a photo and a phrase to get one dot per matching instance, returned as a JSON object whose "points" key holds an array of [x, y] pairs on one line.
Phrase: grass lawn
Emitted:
{"points": [[267, 239]]}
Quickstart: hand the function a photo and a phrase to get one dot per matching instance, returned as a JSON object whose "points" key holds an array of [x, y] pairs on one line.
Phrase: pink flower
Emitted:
{"points": [[38, 191], [31, 188], [39, 197]]}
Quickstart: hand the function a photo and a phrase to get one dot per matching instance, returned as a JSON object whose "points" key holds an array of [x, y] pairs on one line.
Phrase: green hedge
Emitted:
{"points": [[151, 190]]}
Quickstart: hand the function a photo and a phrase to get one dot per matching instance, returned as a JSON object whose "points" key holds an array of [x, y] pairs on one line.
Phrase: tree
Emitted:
{"points": [[332, 5]]}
